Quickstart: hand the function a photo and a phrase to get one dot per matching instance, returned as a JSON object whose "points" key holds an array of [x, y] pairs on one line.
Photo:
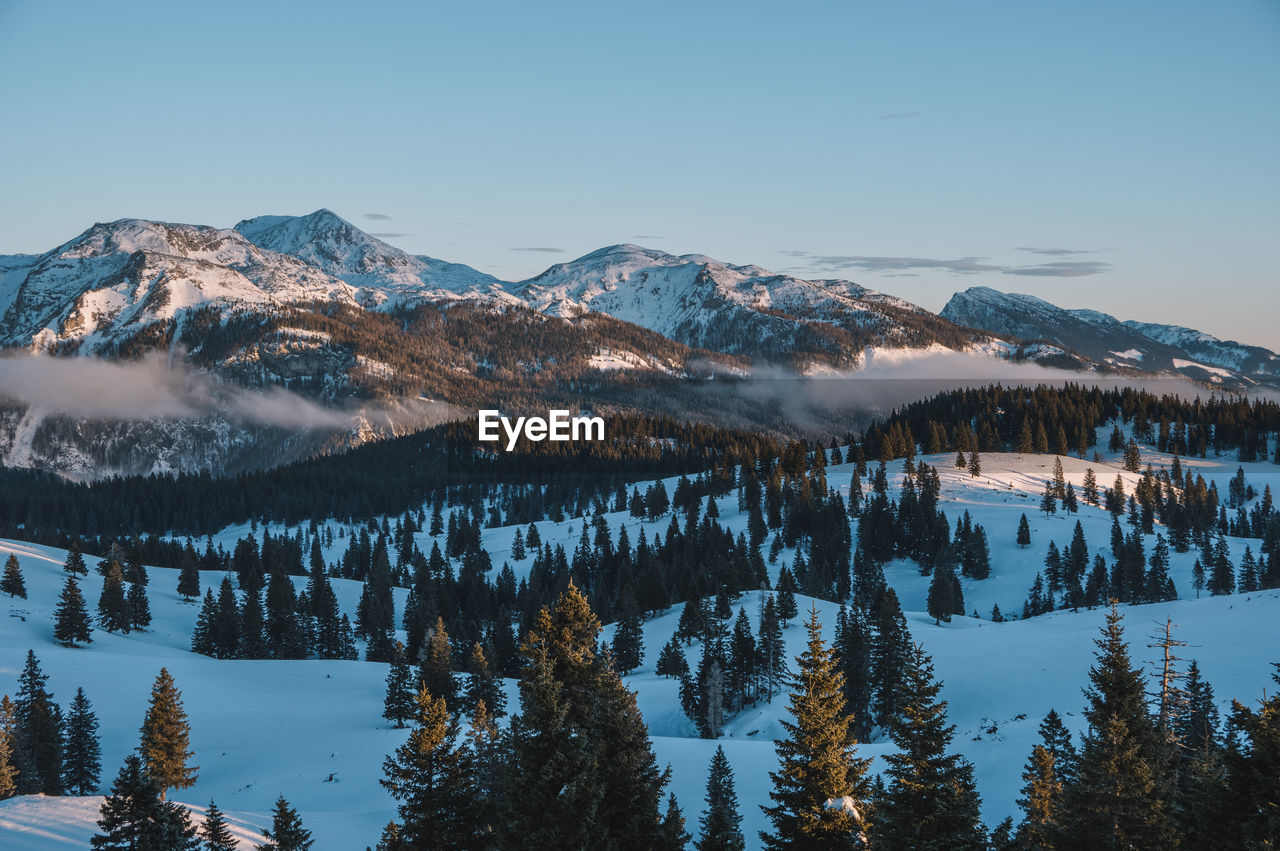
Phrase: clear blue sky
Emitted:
{"points": [[917, 148]]}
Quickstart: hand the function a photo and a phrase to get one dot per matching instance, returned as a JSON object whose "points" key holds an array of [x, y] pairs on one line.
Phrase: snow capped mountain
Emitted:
{"points": [[383, 273], [1105, 339], [116, 279], [746, 310]]}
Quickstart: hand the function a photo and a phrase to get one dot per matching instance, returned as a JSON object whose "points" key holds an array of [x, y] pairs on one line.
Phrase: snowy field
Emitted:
{"points": [[313, 731]]}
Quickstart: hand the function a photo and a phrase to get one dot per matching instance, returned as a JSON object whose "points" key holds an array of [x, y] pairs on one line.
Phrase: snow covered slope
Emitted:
{"points": [[383, 273], [1105, 339], [740, 309], [312, 730]]}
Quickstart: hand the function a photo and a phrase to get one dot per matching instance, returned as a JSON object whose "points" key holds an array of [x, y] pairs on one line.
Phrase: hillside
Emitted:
{"points": [[312, 730]]}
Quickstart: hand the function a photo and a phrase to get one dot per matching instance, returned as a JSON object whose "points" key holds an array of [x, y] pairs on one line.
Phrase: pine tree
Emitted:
{"points": [[136, 816], [1024, 532], [286, 832], [189, 576], [941, 602], [890, 648], [166, 737], [224, 629], [400, 703], [215, 833], [821, 789], [671, 660], [71, 618], [12, 582], [39, 731], [721, 824], [8, 746], [431, 776], [114, 611], [437, 665], [139, 607], [975, 464], [81, 752], [1040, 802], [482, 685], [787, 609], [74, 564], [930, 802], [628, 643], [1115, 799], [1252, 782]]}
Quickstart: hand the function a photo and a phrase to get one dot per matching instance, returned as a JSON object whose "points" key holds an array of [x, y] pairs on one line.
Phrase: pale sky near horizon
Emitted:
{"points": [[1116, 156]]}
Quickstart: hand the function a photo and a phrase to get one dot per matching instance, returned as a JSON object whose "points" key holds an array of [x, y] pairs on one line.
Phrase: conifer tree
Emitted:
{"points": [[1040, 802], [890, 648], [114, 612], [8, 745], [400, 703], [189, 576], [1252, 782], [139, 607], [931, 801], [38, 722], [431, 777], [74, 564], [482, 685], [136, 816], [437, 665], [1115, 799], [286, 832], [81, 752], [1024, 532], [671, 660], [12, 582], [821, 790], [215, 834], [253, 640], [71, 618], [721, 824], [166, 737], [628, 643], [941, 601], [787, 609], [975, 464]]}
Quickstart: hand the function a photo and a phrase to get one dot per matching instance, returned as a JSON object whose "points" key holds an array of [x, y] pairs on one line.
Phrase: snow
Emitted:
{"points": [[1129, 354], [1179, 363], [264, 728]]}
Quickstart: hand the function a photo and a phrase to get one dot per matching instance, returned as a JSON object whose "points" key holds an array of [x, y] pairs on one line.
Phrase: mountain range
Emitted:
{"points": [[338, 317]]}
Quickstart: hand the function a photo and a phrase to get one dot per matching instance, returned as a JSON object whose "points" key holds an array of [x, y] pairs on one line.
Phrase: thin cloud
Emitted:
{"points": [[1061, 269], [381, 235], [1056, 252], [540, 249], [958, 266], [907, 266], [898, 115], [377, 217], [646, 236]]}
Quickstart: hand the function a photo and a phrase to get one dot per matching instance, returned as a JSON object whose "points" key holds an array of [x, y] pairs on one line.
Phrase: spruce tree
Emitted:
{"points": [[931, 801], [1024, 532], [81, 751], [437, 665], [166, 737], [482, 685], [215, 834], [71, 618], [189, 577], [286, 832], [671, 660], [114, 611], [628, 643], [136, 816], [1115, 799], [74, 564], [8, 767], [721, 824], [38, 721], [400, 703], [941, 602], [139, 607], [431, 777], [1251, 818], [12, 582], [821, 790], [1040, 802]]}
